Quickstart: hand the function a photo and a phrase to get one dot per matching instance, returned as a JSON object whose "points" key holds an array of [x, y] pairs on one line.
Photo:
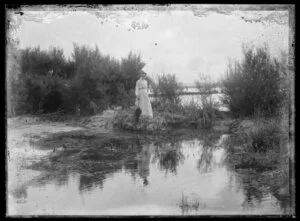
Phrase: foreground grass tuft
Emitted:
{"points": [[263, 147]]}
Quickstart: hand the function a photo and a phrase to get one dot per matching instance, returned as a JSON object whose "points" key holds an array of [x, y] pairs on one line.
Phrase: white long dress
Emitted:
{"points": [[141, 92]]}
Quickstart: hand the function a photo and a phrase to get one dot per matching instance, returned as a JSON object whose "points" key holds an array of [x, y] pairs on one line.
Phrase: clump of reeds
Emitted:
{"points": [[127, 120], [267, 134], [262, 147], [188, 206]]}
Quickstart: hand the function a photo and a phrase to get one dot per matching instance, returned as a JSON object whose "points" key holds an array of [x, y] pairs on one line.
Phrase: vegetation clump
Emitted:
{"points": [[126, 120], [256, 84], [167, 102], [263, 147], [44, 81]]}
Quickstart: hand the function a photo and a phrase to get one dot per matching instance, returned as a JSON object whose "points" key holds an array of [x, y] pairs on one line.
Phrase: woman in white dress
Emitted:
{"points": [[142, 98]]}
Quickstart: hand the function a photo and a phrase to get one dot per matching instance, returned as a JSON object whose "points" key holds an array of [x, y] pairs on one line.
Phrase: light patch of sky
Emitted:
{"points": [[175, 42]]}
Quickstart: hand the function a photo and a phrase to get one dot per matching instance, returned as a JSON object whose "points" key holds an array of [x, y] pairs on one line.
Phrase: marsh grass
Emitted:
{"points": [[126, 120], [267, 134], [209, 107], [263, 151], [187, 206], [263, 147], [199, 113]]}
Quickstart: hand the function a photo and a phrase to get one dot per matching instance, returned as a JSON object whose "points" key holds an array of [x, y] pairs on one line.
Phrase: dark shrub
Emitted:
{"points": [[255, 84], [44, 81], [52, 102], [265, 135], [167, 91]]}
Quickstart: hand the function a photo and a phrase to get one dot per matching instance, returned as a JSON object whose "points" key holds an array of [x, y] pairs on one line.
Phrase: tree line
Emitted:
{"points": [[255, 85], [258, 84], [44, 81]]}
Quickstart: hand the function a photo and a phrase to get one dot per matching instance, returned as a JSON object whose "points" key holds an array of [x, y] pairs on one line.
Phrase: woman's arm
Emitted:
{"points": [[137, 89], [137, 93], [147, 86]]}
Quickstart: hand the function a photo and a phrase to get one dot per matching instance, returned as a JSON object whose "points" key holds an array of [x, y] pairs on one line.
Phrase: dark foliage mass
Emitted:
{"points": [[44, 81], [256, 84], [40, 81], [167, 90]]}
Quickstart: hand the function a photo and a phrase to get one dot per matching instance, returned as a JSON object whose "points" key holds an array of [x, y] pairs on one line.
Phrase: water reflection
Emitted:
{"points": [[204, 164], [254, 191], [143, 163], [101, 169], [20, 192], [168, 156], [259, 185], [206, 161], [87, 183]]}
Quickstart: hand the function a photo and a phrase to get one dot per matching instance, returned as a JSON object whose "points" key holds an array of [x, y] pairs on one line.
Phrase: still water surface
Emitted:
{"points": [[185, 177]]}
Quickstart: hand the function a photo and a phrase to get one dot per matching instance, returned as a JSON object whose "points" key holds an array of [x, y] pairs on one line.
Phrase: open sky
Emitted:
{"points": [[169, 41]]}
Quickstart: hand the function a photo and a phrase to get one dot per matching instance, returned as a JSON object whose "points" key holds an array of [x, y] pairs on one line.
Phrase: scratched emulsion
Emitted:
{"points": [[132, 16], [85, 189]]}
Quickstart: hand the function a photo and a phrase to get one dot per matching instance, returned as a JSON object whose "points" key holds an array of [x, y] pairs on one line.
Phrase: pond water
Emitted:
{"points": [[141, 177]]}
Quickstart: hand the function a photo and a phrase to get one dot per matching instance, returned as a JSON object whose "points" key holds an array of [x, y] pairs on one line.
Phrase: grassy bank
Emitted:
{"points": [[162, 120], [263, 148]]}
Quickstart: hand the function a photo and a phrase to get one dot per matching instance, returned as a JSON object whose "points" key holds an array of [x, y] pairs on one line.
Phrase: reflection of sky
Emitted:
{"points": [[121, 194], [169, 41]]}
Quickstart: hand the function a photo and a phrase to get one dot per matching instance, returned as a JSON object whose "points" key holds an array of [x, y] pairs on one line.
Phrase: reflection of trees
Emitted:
{"points": [[89, 182], [253, 191], [93, 159], [284, 201], [281, 190], [169, 156], [131, 166], [100, 164], [59, 177], [91, 155], [20, 192], [204, 164], [96, 158], [63, 178], [258, 185]]}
